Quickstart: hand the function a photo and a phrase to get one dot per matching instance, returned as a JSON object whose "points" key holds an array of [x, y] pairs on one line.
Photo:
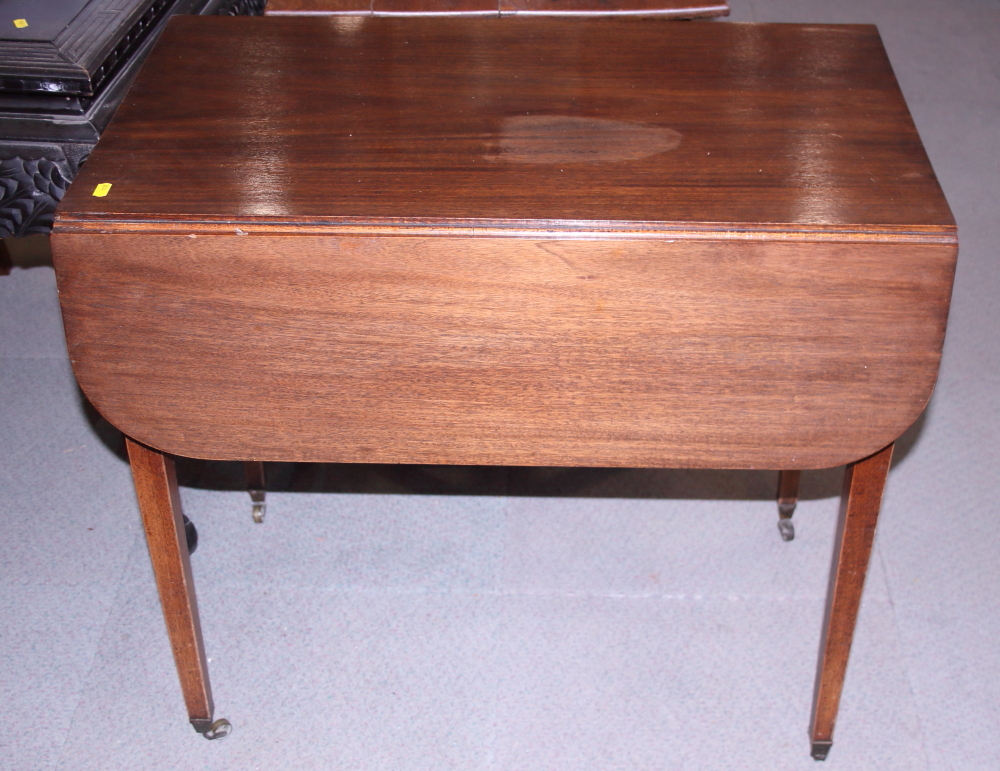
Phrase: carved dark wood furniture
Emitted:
{"points": [[534, 241], [674, 9], [64, 67]]}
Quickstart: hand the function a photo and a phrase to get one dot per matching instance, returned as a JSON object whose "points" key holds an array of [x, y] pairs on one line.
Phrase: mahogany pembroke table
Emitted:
{"points": [[509, 241]]}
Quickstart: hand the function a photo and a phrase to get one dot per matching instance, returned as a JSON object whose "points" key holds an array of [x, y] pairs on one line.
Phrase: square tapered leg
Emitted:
{"points": [[163, 520], [860, 501]]}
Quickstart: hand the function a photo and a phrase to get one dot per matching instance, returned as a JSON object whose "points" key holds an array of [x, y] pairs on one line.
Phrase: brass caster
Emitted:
{"points": [[257, 487], [220, 729], [788, 497]]}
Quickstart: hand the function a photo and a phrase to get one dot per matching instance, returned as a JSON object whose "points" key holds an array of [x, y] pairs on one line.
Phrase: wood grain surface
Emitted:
{"points": [[860, 502], [401, 123], [505, 350], [675, 9]]}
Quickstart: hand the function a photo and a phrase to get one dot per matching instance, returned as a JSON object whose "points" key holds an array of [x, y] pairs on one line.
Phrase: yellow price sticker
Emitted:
{"points": [[102, 189], [20, 23]]}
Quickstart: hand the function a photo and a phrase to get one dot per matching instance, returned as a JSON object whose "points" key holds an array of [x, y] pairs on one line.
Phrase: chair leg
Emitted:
{"points": [[859, 508], [788, 497], [257, 488], [159, 502]]}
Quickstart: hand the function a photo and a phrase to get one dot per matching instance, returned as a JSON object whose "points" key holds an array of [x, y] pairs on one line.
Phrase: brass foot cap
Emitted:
{"points": [[820, 750]]}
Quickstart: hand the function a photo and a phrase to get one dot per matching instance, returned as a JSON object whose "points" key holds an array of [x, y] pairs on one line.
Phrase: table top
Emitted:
{"points": [[769, 130]]}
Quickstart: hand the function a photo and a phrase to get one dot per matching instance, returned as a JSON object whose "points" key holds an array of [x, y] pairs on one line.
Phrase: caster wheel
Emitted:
{"points": [[191, 532], [220, 729], [787, 529]]}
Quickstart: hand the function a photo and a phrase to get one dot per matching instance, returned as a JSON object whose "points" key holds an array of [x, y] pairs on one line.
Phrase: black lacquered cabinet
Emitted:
{"points": [[65, 65]]}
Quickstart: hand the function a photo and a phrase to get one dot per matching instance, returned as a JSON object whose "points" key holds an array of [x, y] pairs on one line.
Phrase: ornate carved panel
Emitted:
{"points": [[33, 179]]}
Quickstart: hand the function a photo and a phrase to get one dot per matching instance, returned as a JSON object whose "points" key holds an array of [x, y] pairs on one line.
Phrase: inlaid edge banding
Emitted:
{"points": [[563, 229]]}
